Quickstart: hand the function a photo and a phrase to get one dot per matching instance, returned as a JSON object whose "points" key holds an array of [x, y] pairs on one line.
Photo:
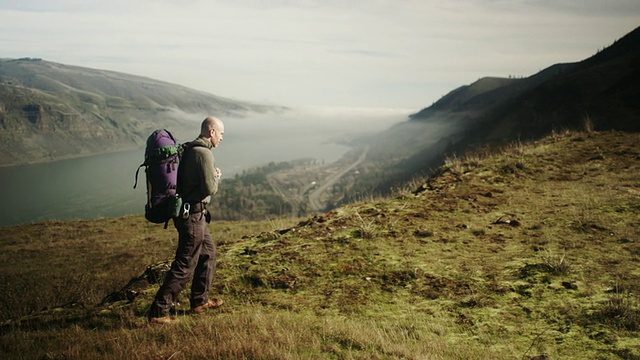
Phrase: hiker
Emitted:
{"points": [[196, 254]]}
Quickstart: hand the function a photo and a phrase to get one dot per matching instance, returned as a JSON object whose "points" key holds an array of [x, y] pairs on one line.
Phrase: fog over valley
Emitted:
{"points": [[102, 185], [321, 133]]}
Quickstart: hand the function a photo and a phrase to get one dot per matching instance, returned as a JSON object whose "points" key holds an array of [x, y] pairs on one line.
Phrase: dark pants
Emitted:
{"points": [[196, 254]]}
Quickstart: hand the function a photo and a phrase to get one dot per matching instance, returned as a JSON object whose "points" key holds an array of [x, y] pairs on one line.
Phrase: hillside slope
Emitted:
{"points": [[599, 93], [602, 89], [50, 111], [530, 252]]}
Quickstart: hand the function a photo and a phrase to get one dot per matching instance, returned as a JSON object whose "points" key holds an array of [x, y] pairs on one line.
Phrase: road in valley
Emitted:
{"points": [[314, 197], [295, 201], [315, 205]]}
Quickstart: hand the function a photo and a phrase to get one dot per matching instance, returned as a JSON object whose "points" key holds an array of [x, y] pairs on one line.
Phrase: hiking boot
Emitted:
{"points": [[163, 320], [211, 304]]}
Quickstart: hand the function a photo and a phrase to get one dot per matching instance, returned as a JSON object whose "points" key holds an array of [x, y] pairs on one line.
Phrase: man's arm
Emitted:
{"points": [[210, 174]]}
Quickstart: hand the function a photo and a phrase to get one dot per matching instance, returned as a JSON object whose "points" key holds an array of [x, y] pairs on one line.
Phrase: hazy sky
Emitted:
{"points": [[361, 53]]}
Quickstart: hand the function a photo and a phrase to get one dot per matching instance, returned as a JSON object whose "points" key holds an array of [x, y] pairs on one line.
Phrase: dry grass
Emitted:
{"points": [[530, 252]]}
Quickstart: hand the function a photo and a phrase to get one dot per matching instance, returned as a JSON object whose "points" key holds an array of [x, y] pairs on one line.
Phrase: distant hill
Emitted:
{"points": [[50, 111], [600, 93], [602, 90]]}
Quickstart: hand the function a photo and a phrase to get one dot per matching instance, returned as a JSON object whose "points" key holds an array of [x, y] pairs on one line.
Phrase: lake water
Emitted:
{"points": [[102, 185]]}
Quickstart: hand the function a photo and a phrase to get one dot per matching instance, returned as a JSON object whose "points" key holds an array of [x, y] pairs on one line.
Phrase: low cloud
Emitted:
{"points": [[298, 53]]}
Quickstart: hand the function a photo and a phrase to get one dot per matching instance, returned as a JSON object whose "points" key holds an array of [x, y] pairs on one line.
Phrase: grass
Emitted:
{"points": [[527, 252]]}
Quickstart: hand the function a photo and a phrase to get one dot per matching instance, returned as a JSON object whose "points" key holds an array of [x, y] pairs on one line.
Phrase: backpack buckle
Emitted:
{"points": [[185, 210]]}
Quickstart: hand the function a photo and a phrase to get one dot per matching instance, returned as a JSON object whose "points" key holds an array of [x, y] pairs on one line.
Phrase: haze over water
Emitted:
{"points": [[102, 185]]}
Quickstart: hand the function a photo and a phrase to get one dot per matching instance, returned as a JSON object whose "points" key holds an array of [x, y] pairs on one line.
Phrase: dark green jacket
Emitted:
{"points": [[197, 180]]}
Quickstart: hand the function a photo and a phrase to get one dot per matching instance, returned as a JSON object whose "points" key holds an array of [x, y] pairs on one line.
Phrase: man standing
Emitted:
{"points": [[196, 254]]}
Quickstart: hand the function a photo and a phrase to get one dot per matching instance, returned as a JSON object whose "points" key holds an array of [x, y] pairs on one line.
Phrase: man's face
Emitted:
{"points": [[216, 138]]}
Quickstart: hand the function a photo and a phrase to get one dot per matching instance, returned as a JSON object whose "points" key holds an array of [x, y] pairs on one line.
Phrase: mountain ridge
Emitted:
{"points": [[599, 92], [50, 111], [601, 87]]}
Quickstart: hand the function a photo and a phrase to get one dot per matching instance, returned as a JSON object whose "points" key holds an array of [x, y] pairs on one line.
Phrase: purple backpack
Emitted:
{"points": [[161, 159]]}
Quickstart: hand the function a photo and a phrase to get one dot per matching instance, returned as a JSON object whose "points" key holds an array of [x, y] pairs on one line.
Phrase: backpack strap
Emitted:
{"points": [[137, 171]]}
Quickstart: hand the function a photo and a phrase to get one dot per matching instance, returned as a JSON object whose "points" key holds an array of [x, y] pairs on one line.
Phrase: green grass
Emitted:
{"points": [[525, 252]]}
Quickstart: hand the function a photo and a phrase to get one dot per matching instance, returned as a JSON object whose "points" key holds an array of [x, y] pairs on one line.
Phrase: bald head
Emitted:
{"points": [[210, 123], [212, 128]]}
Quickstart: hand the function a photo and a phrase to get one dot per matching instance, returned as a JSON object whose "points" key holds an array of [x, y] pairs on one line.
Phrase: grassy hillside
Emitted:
{"points": [[526, 252]]}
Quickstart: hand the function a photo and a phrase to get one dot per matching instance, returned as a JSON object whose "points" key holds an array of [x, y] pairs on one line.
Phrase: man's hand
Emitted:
{"points": [[218, 173]]}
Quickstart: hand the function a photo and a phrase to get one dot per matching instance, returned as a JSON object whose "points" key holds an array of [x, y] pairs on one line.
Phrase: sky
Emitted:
{"points": [[403, 54]]}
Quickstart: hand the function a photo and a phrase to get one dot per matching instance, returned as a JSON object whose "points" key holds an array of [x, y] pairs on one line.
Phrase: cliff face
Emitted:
{"points": [[50, 111], [34, 127]]}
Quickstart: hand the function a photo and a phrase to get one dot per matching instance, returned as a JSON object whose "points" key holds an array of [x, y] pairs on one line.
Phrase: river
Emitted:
{"points": [[102, 185]]}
